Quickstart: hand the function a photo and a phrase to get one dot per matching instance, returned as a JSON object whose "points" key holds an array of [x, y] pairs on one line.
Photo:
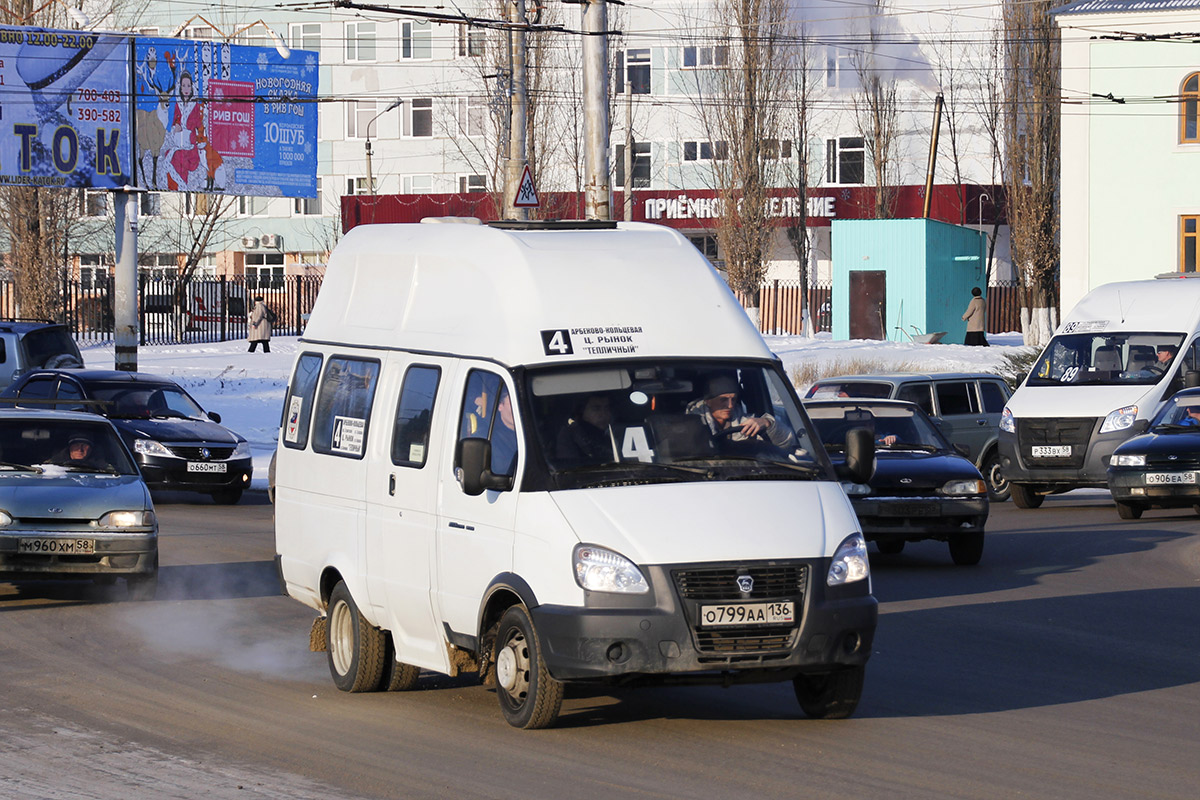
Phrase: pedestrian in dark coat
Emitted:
{"points": [[974, 317]]}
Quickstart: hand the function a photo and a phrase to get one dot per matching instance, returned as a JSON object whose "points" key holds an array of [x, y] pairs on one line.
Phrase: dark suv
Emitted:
{"points": [[31, 344], [966, 405]]}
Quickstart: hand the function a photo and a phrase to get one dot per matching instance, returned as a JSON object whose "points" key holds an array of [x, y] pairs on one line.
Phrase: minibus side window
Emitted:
{"points": [[487, 413], [344, 406], [297, 410], [414, 410]]}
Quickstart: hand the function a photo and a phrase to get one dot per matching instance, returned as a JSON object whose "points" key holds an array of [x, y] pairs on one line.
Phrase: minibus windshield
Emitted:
{"points": [[616, 423], [1106, 358]]}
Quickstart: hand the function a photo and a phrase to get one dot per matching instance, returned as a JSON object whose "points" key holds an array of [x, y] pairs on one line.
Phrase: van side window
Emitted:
{"points": [[993, 397], [414, 410], [957, 398], [918, 394], [297, 411], [344, 406], [487, 414]]}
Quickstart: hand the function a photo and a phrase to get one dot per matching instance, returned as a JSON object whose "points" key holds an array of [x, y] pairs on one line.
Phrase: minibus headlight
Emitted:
{"points": [[127, 519], [964, 487], [849, 561], [149, 447], [5, 519], [600, 570], [1119, 420], [1128, 460], [1007, 423], [855, 489]]}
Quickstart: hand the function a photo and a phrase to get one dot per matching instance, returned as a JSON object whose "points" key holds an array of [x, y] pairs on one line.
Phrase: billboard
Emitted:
{"points": [[64, 109], [224, 119]]}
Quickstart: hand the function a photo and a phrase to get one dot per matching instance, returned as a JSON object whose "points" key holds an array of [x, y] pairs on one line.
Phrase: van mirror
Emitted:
{"points": [[859, 465], [1140, 426], [474, 457], [214, 416]]}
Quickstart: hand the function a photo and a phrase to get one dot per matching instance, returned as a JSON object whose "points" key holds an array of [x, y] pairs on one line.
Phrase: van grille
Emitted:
{"points": [[1074, 431], [745, 640], [772, 581]]}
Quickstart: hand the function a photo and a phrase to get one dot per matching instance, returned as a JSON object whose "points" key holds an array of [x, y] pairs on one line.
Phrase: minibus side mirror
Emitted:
{"points": [[1140, 426], [474, 457], [859, 465], [214, 416]]}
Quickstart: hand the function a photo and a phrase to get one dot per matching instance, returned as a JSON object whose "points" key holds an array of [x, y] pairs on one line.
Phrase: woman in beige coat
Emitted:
{"points": [[260, 326], [974, 319]]}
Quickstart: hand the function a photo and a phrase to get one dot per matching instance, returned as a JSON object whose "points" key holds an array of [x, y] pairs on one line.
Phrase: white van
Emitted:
{"points": [[495, 458], [1121, 352]]}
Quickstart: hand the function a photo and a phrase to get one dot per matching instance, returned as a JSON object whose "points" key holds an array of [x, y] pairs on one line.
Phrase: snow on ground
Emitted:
{"points": [[247, 389]]}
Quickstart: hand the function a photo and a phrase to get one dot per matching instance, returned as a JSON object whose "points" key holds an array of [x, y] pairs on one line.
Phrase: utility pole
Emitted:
{"points": [[598, 202], [518, 155], [628, 151], [125, 283]]}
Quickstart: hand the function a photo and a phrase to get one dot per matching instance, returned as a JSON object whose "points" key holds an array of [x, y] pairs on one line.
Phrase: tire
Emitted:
{"points": [[830, 695], [355, 648], [397, 676], [890, 547], [967, 548], [998, 486], [529, 697], [1129, 510], [1024, 496], [227, 497]]}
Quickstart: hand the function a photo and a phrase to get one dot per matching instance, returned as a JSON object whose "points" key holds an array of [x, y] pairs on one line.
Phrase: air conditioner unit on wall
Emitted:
{"points": [[271, 240], [249, 242]]}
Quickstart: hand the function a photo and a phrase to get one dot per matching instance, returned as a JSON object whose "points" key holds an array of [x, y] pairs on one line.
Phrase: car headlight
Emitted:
{"points": [[964, 487], [1007, 423], [1128, 460], [1120, 419], [149, 447], [855, 489], [850, 562], [600, 570], [127, 519], [242, 450], [5, 518]]}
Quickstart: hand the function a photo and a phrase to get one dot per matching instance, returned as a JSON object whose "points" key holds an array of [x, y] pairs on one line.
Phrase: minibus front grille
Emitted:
{"points": [[732, 641], [1055, 431], [769, 581]]}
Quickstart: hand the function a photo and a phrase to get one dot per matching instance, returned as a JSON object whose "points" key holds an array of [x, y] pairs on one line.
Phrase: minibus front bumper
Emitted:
{"points": [[658, 636], [1086, 464]]}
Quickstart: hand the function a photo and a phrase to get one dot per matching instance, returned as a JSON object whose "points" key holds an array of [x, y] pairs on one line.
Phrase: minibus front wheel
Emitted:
{"points": [[355, 647], [529, 697], [830, 695]]}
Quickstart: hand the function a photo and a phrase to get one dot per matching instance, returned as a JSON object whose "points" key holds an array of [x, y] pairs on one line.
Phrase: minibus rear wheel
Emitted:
{"points": [[397, 676], [355, 648], [529, 697], [830, 695], [1024, 496]]}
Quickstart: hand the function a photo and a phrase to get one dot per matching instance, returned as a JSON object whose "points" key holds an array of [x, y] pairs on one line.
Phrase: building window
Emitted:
{"points": [[777, 148], [417, 184], [706, 245], [839, 69], [360, 41], [307, 36], [470, 42], [845, 160], [196, 204], [634, 66], [1187, 110], [250, 206], [204, 32], [359, 185], [471, 184], [158, 266], [309, 206], [704, 151], [418, 119], [206, 267], [416, 39], [359, 114], [699, 57], [472, 115], [149, 204], [1188, 235], [264, 270], [641, 165], [95, 203], [93, 271]]}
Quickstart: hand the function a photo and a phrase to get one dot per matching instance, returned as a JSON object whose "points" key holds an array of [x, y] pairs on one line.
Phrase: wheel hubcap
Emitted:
{"points": [[506, 668], [341, 637]]}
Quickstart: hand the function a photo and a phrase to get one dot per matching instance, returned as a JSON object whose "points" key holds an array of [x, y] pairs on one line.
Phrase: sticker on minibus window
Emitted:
{"points": [[1085, 326], [292, 432], [348, 435]]}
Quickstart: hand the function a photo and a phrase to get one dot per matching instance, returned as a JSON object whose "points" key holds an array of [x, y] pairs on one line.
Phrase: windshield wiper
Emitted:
{"points": [[1175, 426], [924, 448], [19, 467]]}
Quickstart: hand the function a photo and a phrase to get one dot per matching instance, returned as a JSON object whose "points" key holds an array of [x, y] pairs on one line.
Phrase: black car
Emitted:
{"points": [[923, 488], [1161, 467], [177, 444]]}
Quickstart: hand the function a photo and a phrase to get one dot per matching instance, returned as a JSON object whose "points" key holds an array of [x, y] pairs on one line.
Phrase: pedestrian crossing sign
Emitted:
{"points": [[526, 194]]}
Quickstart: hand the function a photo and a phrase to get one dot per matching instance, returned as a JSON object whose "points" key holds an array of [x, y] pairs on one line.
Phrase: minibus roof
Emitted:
{"points": [[547, 294], [1159, 305]]}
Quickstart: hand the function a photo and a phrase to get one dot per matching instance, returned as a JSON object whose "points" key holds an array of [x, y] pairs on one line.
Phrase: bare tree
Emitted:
{"points": [[1031, 152], [801, 99], [877, 111]]}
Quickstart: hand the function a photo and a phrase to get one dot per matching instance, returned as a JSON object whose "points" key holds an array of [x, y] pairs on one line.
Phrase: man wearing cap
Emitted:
{"points": [[79, 452], [1165, 353], [722, 411]]}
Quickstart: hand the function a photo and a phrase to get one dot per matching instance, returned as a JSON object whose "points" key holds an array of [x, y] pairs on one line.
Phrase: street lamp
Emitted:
{"points": [[394, 104]]}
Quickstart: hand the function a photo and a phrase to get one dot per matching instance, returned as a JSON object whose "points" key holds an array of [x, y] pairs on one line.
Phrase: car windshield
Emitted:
{"points": [[669, 421], [1180, 414], [42, 445], [894, 427], [1106, 358], [833, 389], [124, 400]]}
